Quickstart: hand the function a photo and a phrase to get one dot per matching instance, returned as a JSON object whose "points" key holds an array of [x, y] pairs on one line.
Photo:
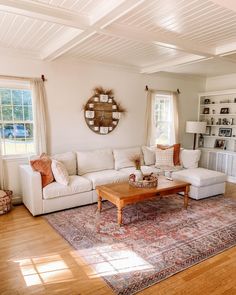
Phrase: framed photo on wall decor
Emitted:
{"points": [[220, 144], [206, 111], [226, 132], [224, 110]]}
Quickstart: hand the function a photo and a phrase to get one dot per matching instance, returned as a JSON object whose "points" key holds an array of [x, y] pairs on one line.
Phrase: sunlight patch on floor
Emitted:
{"points": [[44, 270], [110, 260]]}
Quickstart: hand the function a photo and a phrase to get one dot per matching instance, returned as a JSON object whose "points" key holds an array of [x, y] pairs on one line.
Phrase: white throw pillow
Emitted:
{"points": [[69, 160], [164, 157], [96, 160], [123, 157], [149, 155], [190, 158], [60, 172]]}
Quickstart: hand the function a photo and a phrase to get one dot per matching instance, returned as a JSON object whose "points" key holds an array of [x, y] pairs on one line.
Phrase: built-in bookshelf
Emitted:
{"points": [[218, 110]]}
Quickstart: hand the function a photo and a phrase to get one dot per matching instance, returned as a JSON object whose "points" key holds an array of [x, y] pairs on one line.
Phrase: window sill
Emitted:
{"points": [[13, 158]]}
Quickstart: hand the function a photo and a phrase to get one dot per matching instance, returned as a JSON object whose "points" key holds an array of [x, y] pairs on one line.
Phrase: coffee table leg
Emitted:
{"points": [[119, 215], [186, 197], [99, 203]]}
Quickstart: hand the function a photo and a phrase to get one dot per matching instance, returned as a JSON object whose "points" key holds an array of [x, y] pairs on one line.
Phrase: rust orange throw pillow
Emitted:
{"points": [[43, 165], [176, 158]]}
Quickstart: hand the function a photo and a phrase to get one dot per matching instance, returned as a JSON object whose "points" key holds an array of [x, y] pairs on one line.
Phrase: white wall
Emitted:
{"points": [[70, 85], [221, 82]]}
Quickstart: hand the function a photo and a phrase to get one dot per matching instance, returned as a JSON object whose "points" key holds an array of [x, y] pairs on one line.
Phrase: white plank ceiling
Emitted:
{"points": [[148, 35]]}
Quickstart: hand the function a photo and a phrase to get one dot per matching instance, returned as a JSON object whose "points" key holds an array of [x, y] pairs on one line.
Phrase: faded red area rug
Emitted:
{"points": [[158, 239]]}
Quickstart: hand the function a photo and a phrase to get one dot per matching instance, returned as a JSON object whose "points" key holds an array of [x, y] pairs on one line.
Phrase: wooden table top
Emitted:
{"points": [[123, 190]]}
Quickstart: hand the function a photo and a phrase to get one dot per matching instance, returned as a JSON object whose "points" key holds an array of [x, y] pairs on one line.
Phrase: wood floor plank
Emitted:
{"points": [[35, 259]]}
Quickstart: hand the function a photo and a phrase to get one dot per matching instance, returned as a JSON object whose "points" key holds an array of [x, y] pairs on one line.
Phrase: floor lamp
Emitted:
{"points": [[195, 127]]}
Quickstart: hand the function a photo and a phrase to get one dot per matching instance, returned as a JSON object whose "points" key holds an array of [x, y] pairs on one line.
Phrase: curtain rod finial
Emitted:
{"points": [[43, 78], [178, 91], [146, 88]]}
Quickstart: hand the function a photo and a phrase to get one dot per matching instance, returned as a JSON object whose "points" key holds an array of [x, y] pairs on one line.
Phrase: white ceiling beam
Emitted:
{"points": [[229, 4], [105, 19], [44, 12], [163, 39], [172, 63]]}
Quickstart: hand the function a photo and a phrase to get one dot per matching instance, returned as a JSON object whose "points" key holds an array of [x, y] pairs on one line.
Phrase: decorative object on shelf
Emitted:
{"points": [[231, 121], [208, 130], [212, 121], [5, 201], [220, 144], [207, 101], [213, 111], [234, 100], [201, 141], [226, 132], [224, 110], [225, 121], [195, 127], [206, 111], [101, 112], [148, 181]]}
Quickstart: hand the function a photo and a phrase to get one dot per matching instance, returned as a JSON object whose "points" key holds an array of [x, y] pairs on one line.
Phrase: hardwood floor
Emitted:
{"points": [[35, 259]]}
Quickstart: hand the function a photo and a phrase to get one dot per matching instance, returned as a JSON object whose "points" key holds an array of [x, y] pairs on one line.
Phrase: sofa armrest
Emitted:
{"points": [[31, 184]]}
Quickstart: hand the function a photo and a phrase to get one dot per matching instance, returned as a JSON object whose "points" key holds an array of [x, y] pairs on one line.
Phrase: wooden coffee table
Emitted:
{"points": [[122, 194]]}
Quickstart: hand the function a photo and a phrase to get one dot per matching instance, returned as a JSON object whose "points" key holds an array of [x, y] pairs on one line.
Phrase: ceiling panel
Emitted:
{"points": [[88, 7], [198, 20], [110, 49], [21, 32]]}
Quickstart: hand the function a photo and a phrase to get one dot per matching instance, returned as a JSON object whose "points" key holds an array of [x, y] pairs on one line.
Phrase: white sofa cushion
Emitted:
{"points": [[105, 177], [190, 158], [77, 184], [123, 157], [96, 160], [144, 169], [149, 155], [69, 160], [164, 157], [199, 176], [60, 172]]}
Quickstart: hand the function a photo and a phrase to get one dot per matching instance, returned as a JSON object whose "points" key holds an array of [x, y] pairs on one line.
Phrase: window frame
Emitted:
{"points": [[17, 85], [170, 135]]}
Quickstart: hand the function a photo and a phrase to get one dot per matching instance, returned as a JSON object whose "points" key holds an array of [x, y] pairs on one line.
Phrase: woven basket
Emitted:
{"points": [[5, 201], [153, 182]]}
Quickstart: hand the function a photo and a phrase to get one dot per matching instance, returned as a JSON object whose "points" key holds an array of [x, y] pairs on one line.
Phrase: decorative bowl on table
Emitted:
{"points": [[148, 181]]}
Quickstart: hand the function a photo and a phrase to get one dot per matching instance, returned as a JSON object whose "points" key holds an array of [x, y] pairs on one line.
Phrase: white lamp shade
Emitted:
{"points": [[195, 127]]}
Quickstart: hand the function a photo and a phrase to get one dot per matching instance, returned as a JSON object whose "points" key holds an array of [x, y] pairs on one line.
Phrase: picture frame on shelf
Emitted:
{"points": [[207, 101], [224, 110], [206, 111], [208, 130], [226, 132], [220, 144]]}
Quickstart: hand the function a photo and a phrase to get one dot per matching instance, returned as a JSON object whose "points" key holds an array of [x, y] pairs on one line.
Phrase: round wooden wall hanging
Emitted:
{"points": [[101, 112]]}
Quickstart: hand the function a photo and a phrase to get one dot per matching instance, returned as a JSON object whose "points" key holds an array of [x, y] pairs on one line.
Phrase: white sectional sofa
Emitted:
{"points": [[87, 169]]}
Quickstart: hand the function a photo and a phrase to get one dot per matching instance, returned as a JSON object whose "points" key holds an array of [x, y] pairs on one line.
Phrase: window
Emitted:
{"points": [[16, 121], [163, 119]]}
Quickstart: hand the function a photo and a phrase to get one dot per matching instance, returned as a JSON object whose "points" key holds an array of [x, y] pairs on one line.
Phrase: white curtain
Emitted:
{"points": [[175, 101], [149, 119], [2, 178], [39, 107]]}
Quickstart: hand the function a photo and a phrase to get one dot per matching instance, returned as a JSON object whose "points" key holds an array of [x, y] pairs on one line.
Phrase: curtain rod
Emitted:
{"points": [[20, 78], [177, 91]]}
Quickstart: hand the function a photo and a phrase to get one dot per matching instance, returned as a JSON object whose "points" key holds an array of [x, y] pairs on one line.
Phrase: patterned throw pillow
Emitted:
{"points": [[176, 156], [60, 172], [164, 157], [43, 166]]}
